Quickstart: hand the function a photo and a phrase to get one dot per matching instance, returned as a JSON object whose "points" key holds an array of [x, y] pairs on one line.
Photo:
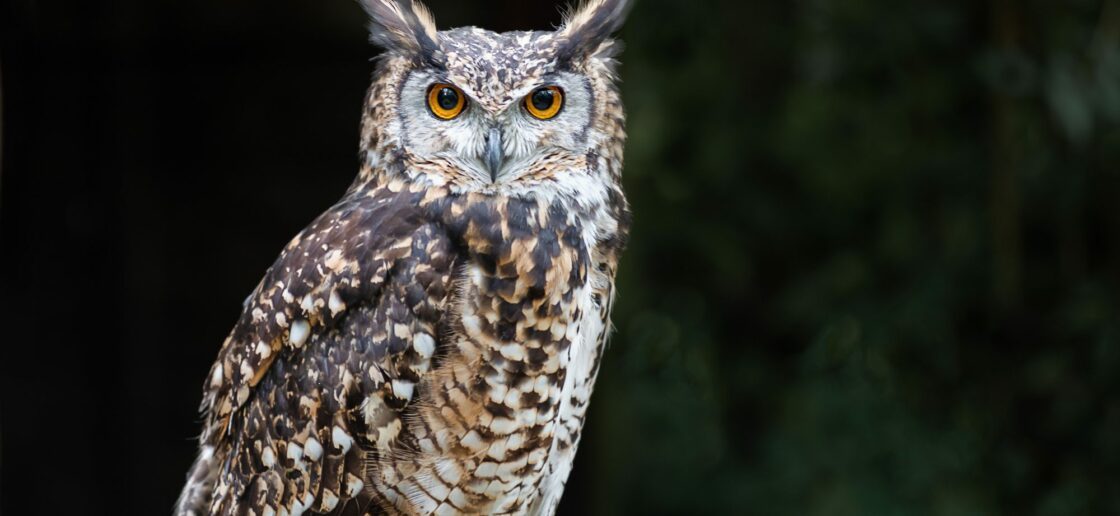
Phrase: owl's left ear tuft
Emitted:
{"points": [[403, 26], [587, 30]]}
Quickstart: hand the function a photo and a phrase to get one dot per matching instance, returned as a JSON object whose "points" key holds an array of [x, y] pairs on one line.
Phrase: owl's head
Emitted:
{"points": [[483, 111]]}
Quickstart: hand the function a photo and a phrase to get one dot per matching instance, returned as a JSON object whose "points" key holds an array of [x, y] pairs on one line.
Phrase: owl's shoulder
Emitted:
{"points": [[327, 352], [339, 262]]}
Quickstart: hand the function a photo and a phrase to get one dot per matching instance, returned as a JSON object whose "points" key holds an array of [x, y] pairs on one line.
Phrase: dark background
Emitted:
{"points": [[874, 270]]}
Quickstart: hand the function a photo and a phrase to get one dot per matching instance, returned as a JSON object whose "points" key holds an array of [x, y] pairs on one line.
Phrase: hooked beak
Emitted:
{"points": [[494, 152]]}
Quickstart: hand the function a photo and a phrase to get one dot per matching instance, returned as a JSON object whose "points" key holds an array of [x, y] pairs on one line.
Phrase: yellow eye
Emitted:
{"points": [[545, 103], [446, 101]]}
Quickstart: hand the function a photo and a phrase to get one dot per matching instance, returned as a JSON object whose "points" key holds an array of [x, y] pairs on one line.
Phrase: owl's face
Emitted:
{"points": [[483, 111], [490, 114]]}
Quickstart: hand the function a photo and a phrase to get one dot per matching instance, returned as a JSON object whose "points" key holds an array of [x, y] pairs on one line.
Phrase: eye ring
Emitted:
{"points": [[445, 101], [545, 103]]}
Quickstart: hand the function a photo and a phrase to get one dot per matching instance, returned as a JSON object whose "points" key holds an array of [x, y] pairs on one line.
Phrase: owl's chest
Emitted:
{"points": [[493, 414], [499, 417]]}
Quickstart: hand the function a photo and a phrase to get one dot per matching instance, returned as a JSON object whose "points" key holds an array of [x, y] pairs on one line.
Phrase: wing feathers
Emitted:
{"points": [[307, 390]]}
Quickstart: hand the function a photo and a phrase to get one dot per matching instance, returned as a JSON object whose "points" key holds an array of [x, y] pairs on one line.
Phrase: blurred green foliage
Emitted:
{"points": [[874, 268]]}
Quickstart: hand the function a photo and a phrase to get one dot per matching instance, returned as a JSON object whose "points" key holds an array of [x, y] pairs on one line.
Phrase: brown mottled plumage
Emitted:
{"points": [[429, 344]]}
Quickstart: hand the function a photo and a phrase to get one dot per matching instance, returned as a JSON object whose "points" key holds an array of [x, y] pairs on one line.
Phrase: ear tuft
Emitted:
{"points": [[590, 26], [404, 26]]}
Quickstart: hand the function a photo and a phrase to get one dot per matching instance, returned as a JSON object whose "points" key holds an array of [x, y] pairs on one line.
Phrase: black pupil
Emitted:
{"points": [[447, 99], [543, 99]]}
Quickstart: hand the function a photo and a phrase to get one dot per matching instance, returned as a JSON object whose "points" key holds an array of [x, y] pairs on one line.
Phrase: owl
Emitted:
{"points": [[429, 344]]}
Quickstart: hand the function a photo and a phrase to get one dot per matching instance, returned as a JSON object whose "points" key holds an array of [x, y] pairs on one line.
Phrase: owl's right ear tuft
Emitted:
{"points": [[403, 26]]}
